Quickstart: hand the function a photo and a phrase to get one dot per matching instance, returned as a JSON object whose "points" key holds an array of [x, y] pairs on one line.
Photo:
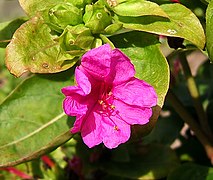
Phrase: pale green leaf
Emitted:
{"points": [[34, 49]]}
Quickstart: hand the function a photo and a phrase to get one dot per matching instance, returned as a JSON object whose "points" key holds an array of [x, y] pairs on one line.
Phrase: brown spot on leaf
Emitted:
{"points": [[45, 65]]}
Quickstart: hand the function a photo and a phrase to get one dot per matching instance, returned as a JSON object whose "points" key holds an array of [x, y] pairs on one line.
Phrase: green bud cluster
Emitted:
{"points": [[63, 15], [75, 40], [78, 24]]}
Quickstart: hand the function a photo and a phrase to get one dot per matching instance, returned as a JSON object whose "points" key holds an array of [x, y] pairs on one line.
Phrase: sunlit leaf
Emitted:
{"points": [[139, 8], [181, 23]]}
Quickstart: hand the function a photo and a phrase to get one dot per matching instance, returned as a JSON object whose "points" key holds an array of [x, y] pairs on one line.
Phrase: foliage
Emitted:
{"points": [[44, 48]]}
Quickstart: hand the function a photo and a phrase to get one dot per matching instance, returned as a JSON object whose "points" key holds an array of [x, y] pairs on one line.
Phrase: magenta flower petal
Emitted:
{"points": [[132, 114], [78, 123], [83, 81], [91, 131], [73, 106], [108, 99], [98, 67], [83, 88], [136, 92], [115, 132], [121, 68]]}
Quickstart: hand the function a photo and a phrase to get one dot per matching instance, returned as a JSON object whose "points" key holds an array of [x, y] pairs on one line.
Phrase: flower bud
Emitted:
{"points": [[76, 39], [97, 18], [81, 3], [62, 15], [112, 28]]}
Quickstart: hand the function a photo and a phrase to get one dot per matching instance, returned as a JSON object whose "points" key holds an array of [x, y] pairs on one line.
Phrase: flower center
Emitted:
{"points": [[106, 104]]}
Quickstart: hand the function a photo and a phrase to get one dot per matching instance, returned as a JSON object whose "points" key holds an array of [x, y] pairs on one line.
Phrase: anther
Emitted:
{"points": [[110, 93], [116, 128], [112, 106], [100, 102]]}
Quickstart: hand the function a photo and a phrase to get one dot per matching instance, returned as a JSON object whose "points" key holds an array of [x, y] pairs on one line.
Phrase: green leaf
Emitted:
{"points": [[139, 8], [209, 31], [166, 130], [7, 82], [191, 171], [32, 121], [181, 23], [149, 162], [150, 64], [34, 49], [7, 29]]}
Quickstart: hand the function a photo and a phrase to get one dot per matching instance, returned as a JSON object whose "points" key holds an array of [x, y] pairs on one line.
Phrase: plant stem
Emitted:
{"points": [[194, 126], [106, 40], [193, 90]]}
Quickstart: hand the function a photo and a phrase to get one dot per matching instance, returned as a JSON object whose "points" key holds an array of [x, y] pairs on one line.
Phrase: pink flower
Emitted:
{"points": [[108, 99]]}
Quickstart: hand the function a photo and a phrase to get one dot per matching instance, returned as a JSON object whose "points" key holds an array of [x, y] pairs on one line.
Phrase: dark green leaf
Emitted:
{"points": [[209, 30], [7, 29], [149, 162], [191, 171], [32, 121], [166, 130], [181, 23], [34, 49], [7, 82], [150, 64]]}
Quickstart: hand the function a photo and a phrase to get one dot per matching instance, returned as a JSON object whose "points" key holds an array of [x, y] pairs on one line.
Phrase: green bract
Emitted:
{"points": [[97, 18], [65, 14], [76, 40]]}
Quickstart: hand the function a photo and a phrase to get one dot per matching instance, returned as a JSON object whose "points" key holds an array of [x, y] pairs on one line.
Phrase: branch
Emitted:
{"points": [[194, 126]]}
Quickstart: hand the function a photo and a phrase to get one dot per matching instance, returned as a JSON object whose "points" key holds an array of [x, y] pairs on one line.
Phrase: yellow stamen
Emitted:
{"points": [[112, 106], [100, 102], [116, 128]]}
